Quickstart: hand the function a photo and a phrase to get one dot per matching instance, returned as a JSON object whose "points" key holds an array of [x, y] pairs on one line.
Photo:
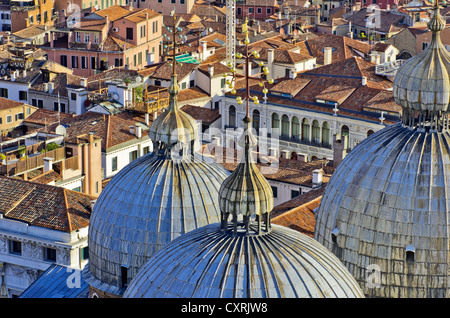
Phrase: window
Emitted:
{"points": [[96, 36], [87, 37], [129, 33], [9, 119], [285, 126], [4, 92], [19, 116], [192, 83], [142, 31], [55, 106], [133, 155], [40, 103], [294, 193], [250, 10], [269, 11], [183, 85], [146, 150], [155, 26], [424, 45], [84, 253], [64, 60], [73, 96], [23, 95], [259, 10], [232, 117], [140, 58], [34, 101], [275, 191], [84, 62], [113, 163], [15, 247], [96, 187], [50, 254], [124, 275], [74, 61], [93, 63]]}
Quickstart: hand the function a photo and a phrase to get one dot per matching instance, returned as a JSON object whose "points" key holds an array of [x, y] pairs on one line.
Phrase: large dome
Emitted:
{"points": [[147, 204], [385, 213], [208, 263]]}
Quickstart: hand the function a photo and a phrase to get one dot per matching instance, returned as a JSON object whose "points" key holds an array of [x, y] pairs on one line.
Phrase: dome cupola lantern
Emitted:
{"points": [[422, 85]]}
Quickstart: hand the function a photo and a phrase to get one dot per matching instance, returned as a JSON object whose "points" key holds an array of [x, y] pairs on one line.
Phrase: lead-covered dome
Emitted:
{"points": [[385, 213], [208, 263], [422, 83], [244, 256], [151, 201]]}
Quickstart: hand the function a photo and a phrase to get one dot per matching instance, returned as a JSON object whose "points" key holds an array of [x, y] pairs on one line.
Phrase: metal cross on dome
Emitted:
{"points": [[173, 43], [248, 58]]}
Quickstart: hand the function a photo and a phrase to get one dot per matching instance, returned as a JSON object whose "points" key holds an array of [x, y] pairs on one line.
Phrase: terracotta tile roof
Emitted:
{"points": [[45, 206], [112, 129], [42, 116], [139, 16], [336, 93], [219, 68], [114, 12], [291, 87], [8, 104], [298, 213], [388, 19], [343, 47], [47, 177], [164, 71], [60, 83], [205, 115], [353, 67]]}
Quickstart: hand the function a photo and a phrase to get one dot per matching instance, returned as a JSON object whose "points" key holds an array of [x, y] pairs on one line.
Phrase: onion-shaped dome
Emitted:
{"points": [[152, 201], [241, 257], [174, 126], [246, 192], [422, 83], [385, 213], [210, 263]]}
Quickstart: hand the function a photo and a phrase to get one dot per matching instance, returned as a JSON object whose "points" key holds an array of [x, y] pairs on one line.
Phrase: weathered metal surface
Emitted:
{"points": [[422, 83], [210, 263], [388, 197], [146, 205]]}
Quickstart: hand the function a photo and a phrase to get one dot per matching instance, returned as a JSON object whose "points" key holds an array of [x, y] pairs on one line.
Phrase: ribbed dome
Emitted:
{"points": [[422, 83], [246, 192], [387, 208], [174, 125], [210, 263], [146, 205]]}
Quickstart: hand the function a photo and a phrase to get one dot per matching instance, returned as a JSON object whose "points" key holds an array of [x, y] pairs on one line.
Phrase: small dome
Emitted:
{"points": [[422, 83], [209, 263], [246, 192], [386, 210], [174, 125], [146, 205]]}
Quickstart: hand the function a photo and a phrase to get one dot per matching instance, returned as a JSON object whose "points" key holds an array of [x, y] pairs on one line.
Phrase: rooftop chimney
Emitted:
{"points": [[292, 73], [327, 55], [83, 82], [270, 59], [50, 87], [364, 81], [317, 178], [211, 70], [48, 164]]}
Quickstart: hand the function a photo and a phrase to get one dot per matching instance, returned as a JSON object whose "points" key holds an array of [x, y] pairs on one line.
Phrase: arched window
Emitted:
{"points": [[295, 128], [285, 126], [256, 120], [345, 135], [232, 116], [326, 134], [370, 132], [275, 121], [305, 130], [315, 132]]}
